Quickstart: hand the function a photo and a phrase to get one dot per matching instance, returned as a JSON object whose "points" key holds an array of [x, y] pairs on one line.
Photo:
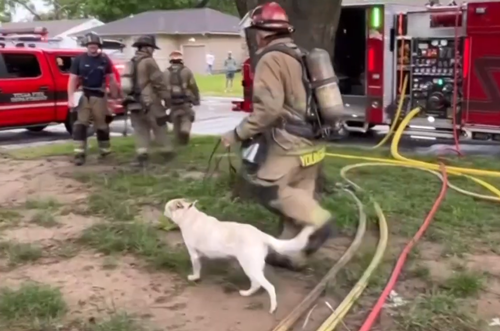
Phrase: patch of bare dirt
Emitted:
{"points": [[92, 291], [70, 226], [21, 180]]}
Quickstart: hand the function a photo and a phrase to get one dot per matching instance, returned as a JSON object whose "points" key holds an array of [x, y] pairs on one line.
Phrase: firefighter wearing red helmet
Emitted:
{"points": [[185, 94], [280, 138]]}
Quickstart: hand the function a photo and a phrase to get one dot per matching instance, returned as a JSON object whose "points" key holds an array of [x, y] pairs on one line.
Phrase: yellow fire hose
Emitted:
{"points": [[288, 322], [334, 319]]}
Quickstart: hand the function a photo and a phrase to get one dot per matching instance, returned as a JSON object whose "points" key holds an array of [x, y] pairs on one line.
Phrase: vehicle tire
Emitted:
{"points": [[39, 128]]}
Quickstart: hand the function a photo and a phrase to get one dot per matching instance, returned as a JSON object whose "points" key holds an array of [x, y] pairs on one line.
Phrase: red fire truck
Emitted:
{"points": [[450, 55], [34, 74]]}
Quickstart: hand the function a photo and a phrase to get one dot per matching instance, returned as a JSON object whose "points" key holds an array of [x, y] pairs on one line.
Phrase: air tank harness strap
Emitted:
{"points": [[300, 129], [176, 80], [303, 128]]}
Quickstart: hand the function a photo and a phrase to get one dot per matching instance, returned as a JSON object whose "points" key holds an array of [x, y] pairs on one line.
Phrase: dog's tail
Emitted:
{"points": [[294, 245]]}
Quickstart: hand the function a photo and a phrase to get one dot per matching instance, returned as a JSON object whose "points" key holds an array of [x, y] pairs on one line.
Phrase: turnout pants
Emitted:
{"points": [[153, 122], [182, 118], [95, 109], [287, 187]]}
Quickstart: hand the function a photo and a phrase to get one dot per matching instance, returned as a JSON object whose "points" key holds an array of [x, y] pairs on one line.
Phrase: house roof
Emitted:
{"points": [[54, 27], [182, 21]]}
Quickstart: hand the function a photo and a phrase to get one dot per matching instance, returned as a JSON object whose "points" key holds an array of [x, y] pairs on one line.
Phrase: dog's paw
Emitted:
{"points": [[193, 278], [246, 293], [273, 309]]}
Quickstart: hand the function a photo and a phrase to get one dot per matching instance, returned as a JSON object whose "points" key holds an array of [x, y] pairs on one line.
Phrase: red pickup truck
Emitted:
{"points": [[33, 85]]}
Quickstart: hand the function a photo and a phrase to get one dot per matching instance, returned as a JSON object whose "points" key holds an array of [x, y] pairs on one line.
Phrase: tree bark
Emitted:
{"points": [[315, 21]]}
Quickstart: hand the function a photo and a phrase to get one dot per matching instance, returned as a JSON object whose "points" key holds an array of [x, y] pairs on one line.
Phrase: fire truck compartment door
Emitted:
{"points": [[482, 64]]}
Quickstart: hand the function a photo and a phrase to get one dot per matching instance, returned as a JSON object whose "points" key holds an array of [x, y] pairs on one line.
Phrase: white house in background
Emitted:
{"points": [[59, 29], [195, 32]]}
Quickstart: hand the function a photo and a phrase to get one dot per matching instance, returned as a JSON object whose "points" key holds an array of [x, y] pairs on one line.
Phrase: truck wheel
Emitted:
{"points": [[39, 128]]}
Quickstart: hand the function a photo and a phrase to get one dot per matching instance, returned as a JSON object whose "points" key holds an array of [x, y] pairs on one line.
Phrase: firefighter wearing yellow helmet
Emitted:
{"points": [[281, 138], [184, 93]]}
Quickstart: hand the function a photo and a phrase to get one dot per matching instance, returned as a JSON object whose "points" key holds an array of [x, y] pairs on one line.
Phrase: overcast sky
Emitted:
{"points": [[22, 13]]}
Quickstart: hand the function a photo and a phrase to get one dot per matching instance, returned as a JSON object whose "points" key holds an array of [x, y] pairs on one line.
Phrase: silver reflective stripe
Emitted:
{"points": [[249, 153], [79, 150]]}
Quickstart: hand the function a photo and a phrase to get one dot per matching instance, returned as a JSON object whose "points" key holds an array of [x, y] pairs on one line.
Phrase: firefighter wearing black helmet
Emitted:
{"points": [[144, 88], [90, 70], [185, 94], [279, 138]]}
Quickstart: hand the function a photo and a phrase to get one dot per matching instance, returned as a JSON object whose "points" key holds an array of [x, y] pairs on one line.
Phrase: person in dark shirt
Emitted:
{"points": [[90, 70]]}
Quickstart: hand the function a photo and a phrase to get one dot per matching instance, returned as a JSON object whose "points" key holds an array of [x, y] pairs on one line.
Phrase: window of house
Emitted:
{"points": [[64, 63], [20, 65]]}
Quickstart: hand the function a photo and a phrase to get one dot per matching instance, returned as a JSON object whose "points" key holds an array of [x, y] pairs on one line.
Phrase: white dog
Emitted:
{"points": [[206, 236]]}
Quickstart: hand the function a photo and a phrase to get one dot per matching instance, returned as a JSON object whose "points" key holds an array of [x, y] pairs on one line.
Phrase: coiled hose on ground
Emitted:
{"points": [[400, 161]]}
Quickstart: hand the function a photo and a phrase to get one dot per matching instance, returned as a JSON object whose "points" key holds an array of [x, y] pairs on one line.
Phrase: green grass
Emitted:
{"points": [[19, 253], [117, 322], [39, 307], [44, 218], [8, 217], [44, 204], [215, 85], [31, 302], [438, 311], [136, 238], [462, 225], [464, 284]]}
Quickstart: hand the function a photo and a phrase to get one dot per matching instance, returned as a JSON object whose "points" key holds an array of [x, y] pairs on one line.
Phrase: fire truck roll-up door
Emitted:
{"points": [[26, 88], [359, 63], [350, 61]]}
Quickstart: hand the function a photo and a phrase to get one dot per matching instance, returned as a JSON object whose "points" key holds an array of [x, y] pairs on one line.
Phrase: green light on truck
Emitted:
{"points": [[375, 18], [440, 82]]}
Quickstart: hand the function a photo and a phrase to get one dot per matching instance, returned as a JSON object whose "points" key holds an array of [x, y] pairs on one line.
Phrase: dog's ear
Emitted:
{"points": [[192, 204]]}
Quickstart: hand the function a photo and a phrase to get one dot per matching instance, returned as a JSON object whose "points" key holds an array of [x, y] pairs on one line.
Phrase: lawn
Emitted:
{"points": [[451, 281], [215, 85]]}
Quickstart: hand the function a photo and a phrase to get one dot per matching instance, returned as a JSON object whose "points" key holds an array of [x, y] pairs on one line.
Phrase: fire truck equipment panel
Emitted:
{"points": [[433, 75]]}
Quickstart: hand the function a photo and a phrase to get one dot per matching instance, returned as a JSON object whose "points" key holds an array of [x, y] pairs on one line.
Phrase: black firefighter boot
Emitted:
{"points": [[79, 159], [167, 155], [289, 229], [319, 237], [183, 138], [140, 161], [103, 143], [80, 140]]}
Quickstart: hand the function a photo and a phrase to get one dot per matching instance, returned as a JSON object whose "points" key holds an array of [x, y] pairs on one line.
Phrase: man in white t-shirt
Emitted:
{"points": [[210, 62]]}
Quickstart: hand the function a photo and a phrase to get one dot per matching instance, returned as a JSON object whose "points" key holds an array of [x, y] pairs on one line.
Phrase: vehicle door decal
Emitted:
{"points": [[484, 68], [9, 101]]}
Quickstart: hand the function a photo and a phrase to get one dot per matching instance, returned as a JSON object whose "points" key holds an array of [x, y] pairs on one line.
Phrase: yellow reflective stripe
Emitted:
{"points": [[310, 159]]}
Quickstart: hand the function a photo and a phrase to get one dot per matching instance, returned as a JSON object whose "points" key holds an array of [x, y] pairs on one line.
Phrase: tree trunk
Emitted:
{"points": [[315, 21]]}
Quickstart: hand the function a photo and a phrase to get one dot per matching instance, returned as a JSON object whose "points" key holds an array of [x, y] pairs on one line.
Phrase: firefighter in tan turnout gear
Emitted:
{"points": [[144, 88], [184, 94], [284, 125]]}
